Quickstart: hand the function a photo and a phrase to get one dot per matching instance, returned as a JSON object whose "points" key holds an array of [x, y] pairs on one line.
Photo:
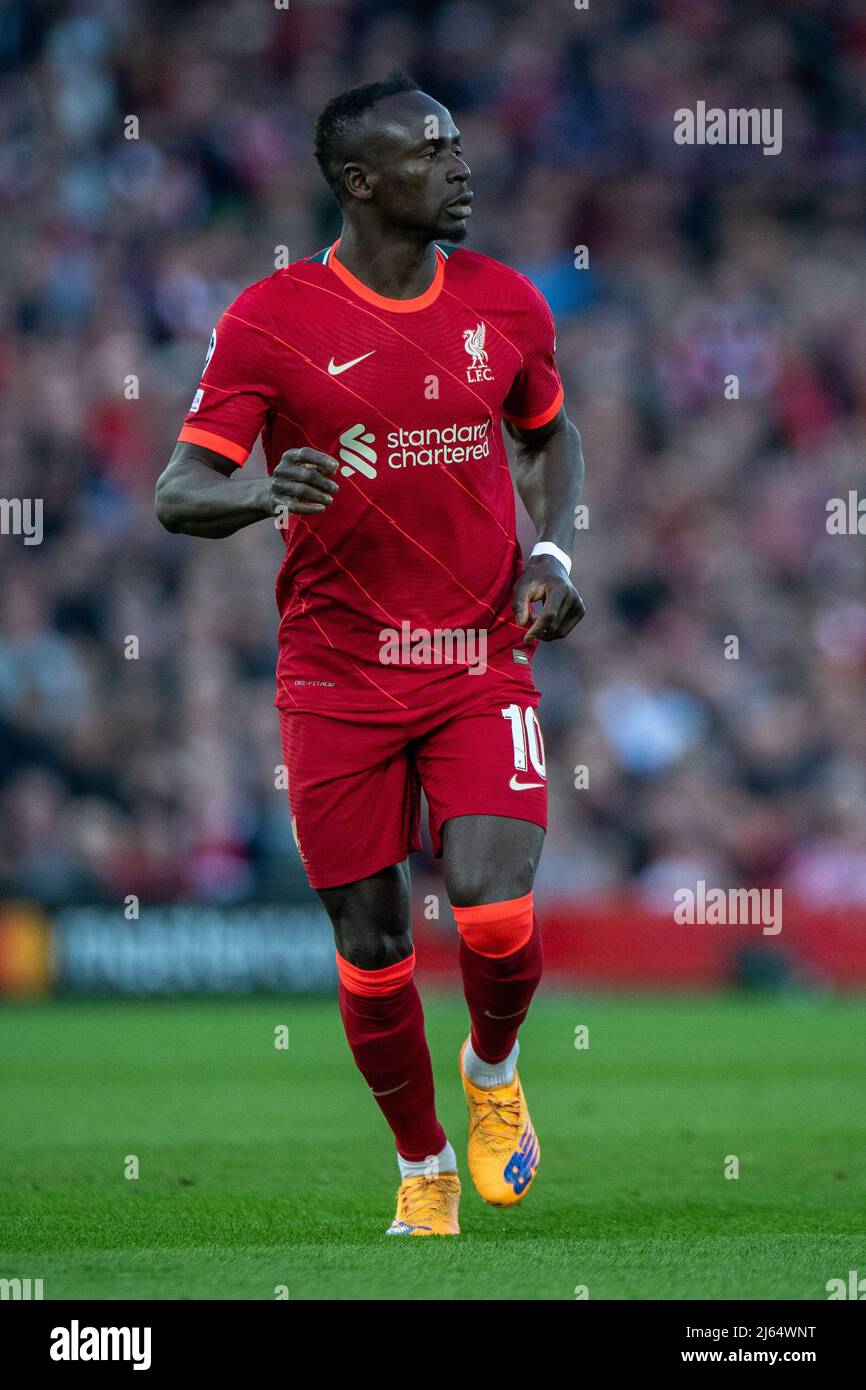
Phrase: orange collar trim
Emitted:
{"points": [[381, 301]]}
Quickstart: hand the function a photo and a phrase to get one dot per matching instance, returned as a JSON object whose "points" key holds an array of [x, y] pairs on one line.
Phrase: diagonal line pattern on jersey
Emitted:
{"points": [[381, 510], [281, 683], [257, 327], [344, 386], [392, 522], [504, 336], [314, 619], [376, 410], [315, 535], [448, 661], [414, 541], [392, 328], [323, 371]]}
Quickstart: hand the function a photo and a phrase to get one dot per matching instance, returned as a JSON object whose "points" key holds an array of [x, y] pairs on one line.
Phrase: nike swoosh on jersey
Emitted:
{"points": [[334, 370], [522, 786]]}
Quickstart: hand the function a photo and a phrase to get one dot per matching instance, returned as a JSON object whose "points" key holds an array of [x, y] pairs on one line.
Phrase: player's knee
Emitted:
{"points": [[374, 982], [372, 919], [496, 928], [473, 884], [367, 946]]}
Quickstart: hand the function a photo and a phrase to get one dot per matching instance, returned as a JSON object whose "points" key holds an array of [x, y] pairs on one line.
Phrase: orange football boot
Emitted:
{"points": [[503, 1146]]}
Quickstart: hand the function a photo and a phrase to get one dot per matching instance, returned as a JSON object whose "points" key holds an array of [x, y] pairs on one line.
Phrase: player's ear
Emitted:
{"points": [[357, 181]]}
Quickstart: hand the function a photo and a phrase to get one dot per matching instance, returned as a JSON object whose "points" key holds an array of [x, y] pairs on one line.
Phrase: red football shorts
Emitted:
{"points": [[355, 788]]}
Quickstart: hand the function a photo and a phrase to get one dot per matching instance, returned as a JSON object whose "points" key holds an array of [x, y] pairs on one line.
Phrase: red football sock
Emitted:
{"points": [[501, 960], [384, 1023]]}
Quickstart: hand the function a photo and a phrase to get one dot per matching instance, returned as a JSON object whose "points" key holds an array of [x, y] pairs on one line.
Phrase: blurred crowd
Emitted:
{"points": [[716, 693]]}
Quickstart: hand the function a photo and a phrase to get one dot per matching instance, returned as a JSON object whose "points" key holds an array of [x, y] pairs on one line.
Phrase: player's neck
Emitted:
{"points": [[387, 263]]}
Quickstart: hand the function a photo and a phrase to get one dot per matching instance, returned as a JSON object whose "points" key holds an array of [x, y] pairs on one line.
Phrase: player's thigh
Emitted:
{"points": [[485, 778], [354, 797]]}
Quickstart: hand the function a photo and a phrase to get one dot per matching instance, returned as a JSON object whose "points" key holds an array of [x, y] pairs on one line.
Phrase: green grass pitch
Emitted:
{"points": [[262, 1167]]}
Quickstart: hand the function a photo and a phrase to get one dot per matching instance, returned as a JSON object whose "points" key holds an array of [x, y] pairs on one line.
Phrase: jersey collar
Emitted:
{"points": [[381, 301]]}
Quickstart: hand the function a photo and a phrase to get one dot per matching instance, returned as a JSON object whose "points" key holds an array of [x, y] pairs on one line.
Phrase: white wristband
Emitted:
{"points": [[548, 548]]}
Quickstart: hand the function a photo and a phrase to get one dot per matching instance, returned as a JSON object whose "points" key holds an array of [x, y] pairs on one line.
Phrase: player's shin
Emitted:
{"points": [[501, 963], [384, 1022]]}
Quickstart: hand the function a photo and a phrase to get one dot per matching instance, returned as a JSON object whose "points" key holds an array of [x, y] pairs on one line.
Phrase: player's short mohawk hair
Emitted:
{"points": [[337, 126]]}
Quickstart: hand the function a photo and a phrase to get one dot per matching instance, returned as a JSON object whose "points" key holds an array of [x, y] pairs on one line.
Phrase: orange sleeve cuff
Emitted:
{"points": [[191, 434], [534, 422]]}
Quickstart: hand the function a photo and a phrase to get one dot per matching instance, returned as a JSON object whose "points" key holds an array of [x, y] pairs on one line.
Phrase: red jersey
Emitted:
{"points": [[408, 395]]}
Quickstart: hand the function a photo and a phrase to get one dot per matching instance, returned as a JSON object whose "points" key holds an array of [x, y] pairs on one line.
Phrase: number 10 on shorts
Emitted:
{"points": [[526, 738]]}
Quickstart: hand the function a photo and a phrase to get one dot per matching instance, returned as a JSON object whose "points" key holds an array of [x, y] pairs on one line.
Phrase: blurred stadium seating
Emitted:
{"points": [[155, 776]]}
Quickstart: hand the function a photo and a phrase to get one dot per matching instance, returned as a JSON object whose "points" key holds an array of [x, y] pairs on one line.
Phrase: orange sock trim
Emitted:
{"points": [[496, 929], [372, 984]]}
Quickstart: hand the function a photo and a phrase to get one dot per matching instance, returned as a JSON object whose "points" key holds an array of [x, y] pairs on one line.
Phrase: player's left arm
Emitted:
{"points": [[549, 472]]}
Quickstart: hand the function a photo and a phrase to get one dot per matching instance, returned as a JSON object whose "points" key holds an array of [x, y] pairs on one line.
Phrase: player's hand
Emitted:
{"points": [[562, 608], [303, 481]]}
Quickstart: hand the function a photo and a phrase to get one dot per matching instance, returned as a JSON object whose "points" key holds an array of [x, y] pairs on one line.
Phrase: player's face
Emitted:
{"points": [[418, 175]]}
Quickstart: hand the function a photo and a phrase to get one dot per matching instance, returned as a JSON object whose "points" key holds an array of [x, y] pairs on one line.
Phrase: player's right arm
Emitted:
{"points": [[197, 495], [238, 393]]}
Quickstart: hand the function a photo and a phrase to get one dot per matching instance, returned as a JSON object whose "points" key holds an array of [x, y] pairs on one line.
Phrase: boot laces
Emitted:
{"points": [[422, 1200], [498, 1120]]}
